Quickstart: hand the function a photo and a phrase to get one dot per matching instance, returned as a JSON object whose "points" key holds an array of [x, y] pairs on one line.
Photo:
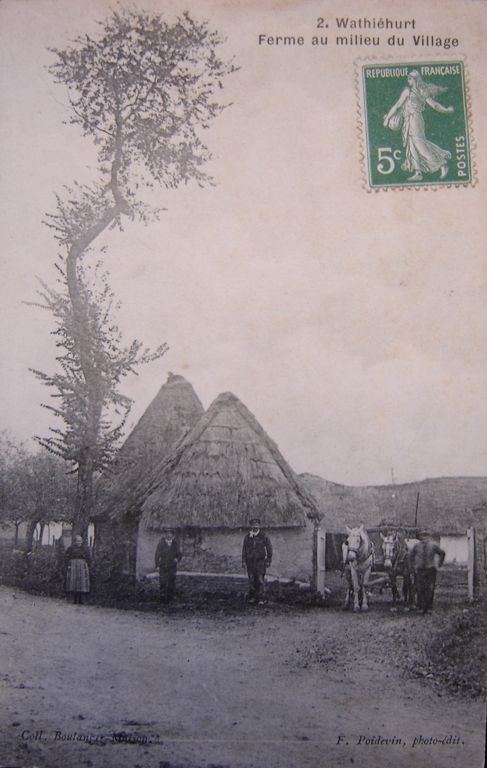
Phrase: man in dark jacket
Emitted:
{"points": [[425, 559], [256, 557], [168, 555]]}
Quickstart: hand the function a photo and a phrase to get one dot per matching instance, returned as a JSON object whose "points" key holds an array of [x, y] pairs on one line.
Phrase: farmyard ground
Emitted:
{"points": [[271, 687]]}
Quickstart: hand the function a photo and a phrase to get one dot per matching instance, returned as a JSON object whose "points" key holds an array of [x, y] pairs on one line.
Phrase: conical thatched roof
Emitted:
{"points": [[225, 471], [172, 413]]}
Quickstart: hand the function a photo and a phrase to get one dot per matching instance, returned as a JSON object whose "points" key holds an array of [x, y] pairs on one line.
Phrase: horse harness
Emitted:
{"points": [[369, 555], [399, 553]]}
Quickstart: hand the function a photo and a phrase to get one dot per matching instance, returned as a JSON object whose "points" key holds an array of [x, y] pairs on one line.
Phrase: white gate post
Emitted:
{"points": [[471, 562], [321, 561]]}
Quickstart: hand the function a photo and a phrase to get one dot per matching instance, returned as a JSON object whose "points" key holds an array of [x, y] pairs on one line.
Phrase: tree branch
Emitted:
{"points": [[84, 120]]}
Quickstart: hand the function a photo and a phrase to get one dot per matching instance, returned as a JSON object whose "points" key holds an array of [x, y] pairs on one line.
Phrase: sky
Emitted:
{"points": [[351, 323]]}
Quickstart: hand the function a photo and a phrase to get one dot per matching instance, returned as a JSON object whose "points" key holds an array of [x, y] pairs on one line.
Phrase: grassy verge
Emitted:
{"points": [[453, 658]]}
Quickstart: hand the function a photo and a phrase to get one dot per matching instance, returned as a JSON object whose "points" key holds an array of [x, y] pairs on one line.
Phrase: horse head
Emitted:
{"points": [[390, 549], [356, 540]]}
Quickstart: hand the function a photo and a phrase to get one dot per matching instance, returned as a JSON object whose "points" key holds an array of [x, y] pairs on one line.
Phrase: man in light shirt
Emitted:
{"points": [[425, 559]]}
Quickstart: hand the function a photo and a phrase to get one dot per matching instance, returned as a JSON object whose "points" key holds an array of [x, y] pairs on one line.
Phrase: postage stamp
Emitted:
{"points": [[415, 121]]}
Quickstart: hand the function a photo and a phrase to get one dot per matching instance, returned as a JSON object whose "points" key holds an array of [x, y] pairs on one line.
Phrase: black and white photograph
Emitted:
{"points": [[243, 452]]}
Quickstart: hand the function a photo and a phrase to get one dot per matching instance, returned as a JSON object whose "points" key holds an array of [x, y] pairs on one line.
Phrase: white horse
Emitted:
{"points": [[358, 556]]}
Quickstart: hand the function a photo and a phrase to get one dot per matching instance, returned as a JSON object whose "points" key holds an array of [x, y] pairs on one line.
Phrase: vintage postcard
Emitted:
{"points": [[243, 486]]}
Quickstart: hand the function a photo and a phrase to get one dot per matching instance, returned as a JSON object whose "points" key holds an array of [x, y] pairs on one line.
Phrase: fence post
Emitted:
{"points": [[320, 544], [471, 562]]}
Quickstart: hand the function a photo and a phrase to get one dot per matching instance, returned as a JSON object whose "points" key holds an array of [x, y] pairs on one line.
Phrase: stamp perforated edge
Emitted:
{"points": [[362, 132]]}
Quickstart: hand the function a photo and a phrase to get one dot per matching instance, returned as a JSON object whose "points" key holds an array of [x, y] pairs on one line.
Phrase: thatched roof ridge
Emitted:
{"points": [[176, 407], [445, 503], [168, 418], [225, 471]]}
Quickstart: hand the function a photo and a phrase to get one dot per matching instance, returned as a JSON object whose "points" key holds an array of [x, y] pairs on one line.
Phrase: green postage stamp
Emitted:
{"points": [[416, 124]]}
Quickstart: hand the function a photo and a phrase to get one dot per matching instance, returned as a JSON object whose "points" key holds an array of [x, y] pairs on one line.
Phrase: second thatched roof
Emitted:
{"points": [[172, 413], [225, 471]]}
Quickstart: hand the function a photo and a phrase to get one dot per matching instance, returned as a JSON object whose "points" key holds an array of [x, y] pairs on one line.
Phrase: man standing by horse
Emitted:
{"points": [[256, 557], [425, 559]]}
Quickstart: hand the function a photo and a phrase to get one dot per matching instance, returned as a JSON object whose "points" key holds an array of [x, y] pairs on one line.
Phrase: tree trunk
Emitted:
{"points": [[84, 501], [92, 377], [88, 362], [87, 354], [29, 537]]}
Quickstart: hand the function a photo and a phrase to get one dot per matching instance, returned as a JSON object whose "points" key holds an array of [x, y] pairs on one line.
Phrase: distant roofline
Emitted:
{"points": [[396, 485]]}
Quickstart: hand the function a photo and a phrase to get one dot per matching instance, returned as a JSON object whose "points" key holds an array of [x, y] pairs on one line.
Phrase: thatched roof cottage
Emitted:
{"points": [[225, 471], [172, 413]]}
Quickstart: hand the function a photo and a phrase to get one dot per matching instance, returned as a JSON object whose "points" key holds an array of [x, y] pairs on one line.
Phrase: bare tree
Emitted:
{"points": [[142, 91]]}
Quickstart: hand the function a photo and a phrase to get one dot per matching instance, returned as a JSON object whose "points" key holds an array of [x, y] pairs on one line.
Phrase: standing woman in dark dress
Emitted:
{"points": [[77, 561]]}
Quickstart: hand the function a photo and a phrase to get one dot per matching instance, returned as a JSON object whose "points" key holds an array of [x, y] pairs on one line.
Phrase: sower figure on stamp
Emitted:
{"points": [[425, 559], [168, 555], [422, 156], [256, 557]]}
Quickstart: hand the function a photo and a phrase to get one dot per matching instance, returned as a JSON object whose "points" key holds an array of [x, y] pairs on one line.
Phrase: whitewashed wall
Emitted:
{"points": [[456, 548], [221, 552]]}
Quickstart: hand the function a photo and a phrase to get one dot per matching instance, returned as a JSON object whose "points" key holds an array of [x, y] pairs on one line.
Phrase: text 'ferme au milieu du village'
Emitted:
{"points": [[362, 31]]}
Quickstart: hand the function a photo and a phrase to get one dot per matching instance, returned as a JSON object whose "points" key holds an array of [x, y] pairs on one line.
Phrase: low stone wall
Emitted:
{"points": [[228, 589]]}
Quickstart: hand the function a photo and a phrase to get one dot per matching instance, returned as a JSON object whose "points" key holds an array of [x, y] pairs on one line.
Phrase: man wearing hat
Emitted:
{"points": [[168, 555], [425, 559], [256, 557]]}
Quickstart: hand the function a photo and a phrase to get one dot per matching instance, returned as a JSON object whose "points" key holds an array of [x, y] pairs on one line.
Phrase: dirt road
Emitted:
{"points": [[91, 686]]}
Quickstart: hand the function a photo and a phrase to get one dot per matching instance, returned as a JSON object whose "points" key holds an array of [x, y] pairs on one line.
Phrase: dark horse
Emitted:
{"points": [[396, 551]]}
